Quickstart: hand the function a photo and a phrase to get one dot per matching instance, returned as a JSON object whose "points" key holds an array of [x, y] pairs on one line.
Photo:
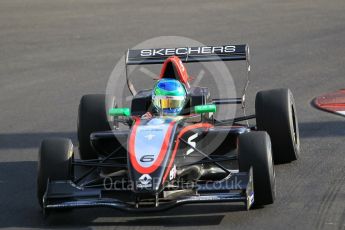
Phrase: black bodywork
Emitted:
{"points": [[197, 175]]}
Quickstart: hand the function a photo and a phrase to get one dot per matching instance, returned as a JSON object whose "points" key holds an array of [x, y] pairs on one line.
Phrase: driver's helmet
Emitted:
{"points": [[169, 96]]}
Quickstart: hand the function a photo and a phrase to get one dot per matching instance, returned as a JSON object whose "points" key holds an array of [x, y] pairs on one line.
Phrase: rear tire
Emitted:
{"points": [[54, 163], [92, 117], [276, 114], [254, 150]]}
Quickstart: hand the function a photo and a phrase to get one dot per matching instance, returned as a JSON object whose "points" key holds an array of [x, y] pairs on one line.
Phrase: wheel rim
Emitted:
{"points": [[272, 174], [294, 123]]}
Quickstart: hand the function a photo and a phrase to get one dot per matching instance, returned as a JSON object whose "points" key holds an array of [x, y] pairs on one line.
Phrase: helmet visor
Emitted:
{"points": [[169, 102]]}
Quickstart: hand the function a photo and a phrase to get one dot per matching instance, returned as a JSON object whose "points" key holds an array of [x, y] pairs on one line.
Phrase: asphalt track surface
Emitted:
{"points": [[53, 52]]}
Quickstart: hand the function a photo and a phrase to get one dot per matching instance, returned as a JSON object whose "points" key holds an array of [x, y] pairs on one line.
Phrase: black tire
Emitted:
{"points": [[54, 163], [92, 117], [276, 114], [254, 150]]}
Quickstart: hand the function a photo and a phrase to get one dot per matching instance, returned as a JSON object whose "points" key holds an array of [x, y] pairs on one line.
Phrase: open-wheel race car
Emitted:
{"points": [[165, 156]]}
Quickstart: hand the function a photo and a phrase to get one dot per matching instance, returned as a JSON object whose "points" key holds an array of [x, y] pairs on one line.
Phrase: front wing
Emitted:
{"points": [[238, 187]]}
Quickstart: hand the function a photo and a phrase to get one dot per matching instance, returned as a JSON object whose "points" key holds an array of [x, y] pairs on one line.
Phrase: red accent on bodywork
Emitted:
{"points": [[161, 155], [176, 62], [182, 132]]}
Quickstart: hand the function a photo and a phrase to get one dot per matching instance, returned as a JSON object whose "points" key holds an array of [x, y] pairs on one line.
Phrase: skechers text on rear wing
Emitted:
{"points": [[188, 54]]}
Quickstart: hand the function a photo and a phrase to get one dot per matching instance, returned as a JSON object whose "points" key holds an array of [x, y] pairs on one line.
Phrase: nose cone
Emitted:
{"points": [[149, 153]]}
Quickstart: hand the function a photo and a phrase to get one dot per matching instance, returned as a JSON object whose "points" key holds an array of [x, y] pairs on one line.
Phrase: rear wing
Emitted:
{"points": [[192, 54], [188, 54]]}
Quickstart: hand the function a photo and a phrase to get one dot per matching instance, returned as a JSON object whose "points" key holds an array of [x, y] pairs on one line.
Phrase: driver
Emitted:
{"points": [[169, 96]]}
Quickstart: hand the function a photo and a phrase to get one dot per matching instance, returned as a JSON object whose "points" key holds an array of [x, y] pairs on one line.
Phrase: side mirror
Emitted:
{"points": [[210, 108], [119, 112]]}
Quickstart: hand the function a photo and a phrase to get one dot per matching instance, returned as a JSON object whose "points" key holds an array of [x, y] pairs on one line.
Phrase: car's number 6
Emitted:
{"points": [[147, 158]]}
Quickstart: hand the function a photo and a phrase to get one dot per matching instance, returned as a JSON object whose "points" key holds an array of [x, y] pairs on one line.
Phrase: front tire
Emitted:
{"points": [[92, 117], [254, 150], [54, 163], [276, 114]]}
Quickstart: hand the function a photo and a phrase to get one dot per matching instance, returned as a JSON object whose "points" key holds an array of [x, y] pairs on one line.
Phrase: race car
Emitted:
{"points": [[159, 153]]}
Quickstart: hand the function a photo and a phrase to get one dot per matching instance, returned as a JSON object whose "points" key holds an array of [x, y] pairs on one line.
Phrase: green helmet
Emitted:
{"points": [[169, 96]]}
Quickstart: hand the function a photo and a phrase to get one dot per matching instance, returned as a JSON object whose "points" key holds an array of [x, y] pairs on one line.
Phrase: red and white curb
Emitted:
{"points": [[331, 102]]}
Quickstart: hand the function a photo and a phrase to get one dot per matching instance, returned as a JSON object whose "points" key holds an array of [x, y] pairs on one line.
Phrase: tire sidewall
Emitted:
{"points": [[255, 151], [54, 163]]}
